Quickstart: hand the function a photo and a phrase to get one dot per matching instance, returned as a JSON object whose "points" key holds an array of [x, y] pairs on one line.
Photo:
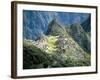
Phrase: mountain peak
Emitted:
{"points": [[55, 29], [54, 21]]}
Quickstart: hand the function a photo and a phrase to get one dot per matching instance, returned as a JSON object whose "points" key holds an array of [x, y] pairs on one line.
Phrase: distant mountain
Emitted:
{"points": [[80, 36], [35, 23], [87, 24]]}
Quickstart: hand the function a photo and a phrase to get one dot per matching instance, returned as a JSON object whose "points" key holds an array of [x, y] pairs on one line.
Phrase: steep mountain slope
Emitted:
{"points": [[80, 36], [34, 57], [56, 29], [65, 43]]}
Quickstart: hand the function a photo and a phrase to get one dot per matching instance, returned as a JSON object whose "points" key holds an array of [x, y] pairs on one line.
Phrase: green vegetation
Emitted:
{"points": [[34, 57], [50, 43], [55, 29], [80, 36], [61, 47]]}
